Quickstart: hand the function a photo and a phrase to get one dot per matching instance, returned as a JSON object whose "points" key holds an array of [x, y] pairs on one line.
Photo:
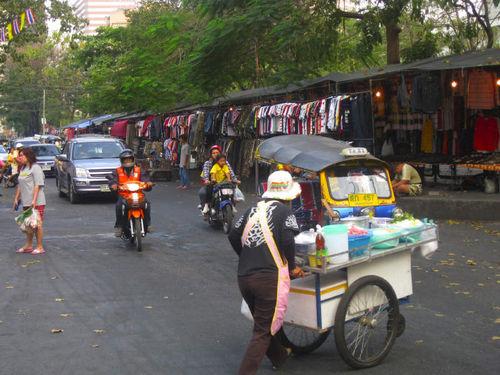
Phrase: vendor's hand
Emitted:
{"points": [[297, 272], [14, 204], [237, 182]]}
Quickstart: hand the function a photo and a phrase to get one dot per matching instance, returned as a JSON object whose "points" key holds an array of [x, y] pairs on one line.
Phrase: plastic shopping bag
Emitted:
{"points": [[245, 310], [28, 220], [238, 195]]}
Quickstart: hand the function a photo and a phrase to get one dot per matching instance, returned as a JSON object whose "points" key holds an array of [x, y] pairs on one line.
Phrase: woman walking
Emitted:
{"points": [[30, 193]]}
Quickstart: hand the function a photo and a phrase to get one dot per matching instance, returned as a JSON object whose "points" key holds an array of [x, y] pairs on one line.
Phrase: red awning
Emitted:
{"points": [[119, 129]]}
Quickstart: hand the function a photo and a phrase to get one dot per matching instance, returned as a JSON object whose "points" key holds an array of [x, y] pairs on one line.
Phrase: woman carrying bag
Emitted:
{"points": [[30, 193]]}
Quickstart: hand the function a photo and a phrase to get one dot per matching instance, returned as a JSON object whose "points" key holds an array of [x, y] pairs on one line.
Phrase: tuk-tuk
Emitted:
{"points": [[345, 180]]}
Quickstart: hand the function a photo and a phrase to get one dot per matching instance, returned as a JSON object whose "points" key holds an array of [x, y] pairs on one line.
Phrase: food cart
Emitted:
{"points": [[355, 293]]}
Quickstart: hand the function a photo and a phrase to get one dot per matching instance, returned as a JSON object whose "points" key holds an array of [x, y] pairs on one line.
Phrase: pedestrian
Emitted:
{"points": [[184, 163], [407, 180], [30, 193], [264, 239]]}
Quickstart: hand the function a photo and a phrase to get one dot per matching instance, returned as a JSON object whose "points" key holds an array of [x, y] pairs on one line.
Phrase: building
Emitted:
{"points": [[99, 12]]}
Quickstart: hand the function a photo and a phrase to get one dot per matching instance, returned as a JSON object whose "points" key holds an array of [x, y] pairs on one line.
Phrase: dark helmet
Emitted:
{"points": [[127, 154]]}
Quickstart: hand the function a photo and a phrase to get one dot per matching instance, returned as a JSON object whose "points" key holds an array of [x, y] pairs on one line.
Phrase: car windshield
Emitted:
{"points": [[28, 143], [96, 150], [45, 150], [343, 181]]}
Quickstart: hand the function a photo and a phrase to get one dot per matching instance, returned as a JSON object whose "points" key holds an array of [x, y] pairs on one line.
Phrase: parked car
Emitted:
{"points": [[84, 164], [3, 154], [46, 157], [25, 142]]}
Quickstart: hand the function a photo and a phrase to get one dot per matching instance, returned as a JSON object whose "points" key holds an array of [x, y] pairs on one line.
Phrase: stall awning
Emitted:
{"points": [[311, 152]]}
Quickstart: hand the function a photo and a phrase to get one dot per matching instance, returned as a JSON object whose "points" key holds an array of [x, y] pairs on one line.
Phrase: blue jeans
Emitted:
{"points": [[183, 174]]}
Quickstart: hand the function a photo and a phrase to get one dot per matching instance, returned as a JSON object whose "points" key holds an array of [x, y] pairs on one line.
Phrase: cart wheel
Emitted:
{"points": [[301, 340], [401, 325], [366, 322]]}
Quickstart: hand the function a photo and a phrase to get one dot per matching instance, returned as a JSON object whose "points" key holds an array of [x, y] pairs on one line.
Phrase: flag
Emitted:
{"points": [[30, 17], [22, 22], [15, 26], [10, 34]]}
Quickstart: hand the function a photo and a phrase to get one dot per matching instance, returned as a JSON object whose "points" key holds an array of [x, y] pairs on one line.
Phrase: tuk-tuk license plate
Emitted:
{"points": [[105, 189], [363, 200]]}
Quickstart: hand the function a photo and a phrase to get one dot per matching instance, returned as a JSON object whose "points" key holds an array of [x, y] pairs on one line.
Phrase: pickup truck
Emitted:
{"points": [[84, 164]]}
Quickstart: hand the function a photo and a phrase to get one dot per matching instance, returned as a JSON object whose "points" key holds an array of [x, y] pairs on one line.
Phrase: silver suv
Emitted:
{"points": [[83, 165]]}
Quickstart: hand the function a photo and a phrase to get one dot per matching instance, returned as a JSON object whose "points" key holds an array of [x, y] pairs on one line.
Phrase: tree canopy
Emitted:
{"points": [[176, 52]]}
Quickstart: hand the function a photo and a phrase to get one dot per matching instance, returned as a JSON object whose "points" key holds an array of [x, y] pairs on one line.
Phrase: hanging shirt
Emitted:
{"points": [[486, 134], [427, 137], [482, 88]]}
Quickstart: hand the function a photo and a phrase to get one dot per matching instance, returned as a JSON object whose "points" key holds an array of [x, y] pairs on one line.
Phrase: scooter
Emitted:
{"points": [[222, 207], [134, 206]]}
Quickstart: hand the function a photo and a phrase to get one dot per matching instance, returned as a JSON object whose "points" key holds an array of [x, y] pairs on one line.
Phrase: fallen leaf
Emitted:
{"points": [[57, 330], [480, 284], [165, 297], [95, 346], [495, 338], [53, 277], [418, 282], [451, 254], [453, 222], [470, 311], [434, 270], [471, 262], [191, 294], [498, 281], [9, 287], [439, 315], [1, 321], [419, 342], [59, 299], [148, 307], [454, 284], [65, 315], [497, 321], [99, 331]]}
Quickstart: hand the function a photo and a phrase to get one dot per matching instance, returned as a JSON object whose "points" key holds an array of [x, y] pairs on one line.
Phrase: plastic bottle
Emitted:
{"points": [[320, 247]]}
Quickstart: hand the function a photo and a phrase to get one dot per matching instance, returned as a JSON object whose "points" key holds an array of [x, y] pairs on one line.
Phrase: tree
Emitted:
{"points": [[477, 11]]}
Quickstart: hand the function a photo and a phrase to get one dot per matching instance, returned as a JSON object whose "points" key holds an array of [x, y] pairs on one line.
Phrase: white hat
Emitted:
{"points": [[280, 185]]}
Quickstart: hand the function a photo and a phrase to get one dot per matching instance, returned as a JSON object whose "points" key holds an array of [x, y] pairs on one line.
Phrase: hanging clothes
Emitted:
{"points": [[427, 139], [426, 93], [481, 90], [486, 136]]}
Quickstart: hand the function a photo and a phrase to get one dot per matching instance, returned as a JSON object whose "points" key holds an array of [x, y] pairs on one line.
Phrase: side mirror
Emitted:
{"points": [[62, 157]]}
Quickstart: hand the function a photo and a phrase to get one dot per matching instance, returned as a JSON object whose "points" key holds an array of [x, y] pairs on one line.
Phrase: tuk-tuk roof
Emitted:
{"points": [[310, 152]]}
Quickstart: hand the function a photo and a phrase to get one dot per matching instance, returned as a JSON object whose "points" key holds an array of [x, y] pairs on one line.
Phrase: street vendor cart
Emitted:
{"points": [[355, 292]]}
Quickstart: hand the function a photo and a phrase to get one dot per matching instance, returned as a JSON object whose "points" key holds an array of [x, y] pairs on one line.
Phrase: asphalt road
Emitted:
{"points": [[174, 309]]}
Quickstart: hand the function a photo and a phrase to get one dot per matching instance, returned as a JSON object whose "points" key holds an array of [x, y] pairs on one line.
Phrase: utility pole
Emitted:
{"points": [[44, 121]]}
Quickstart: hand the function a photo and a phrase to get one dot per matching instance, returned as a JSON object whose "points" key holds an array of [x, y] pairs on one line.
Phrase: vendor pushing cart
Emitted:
{"points": [[358, 281]]}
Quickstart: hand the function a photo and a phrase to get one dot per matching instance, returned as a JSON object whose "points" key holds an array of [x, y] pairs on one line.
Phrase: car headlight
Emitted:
{"points": [[368, 211], [397, 212], [81, 172]]}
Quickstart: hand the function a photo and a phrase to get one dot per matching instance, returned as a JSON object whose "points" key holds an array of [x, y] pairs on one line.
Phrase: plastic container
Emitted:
{"points": [[359, 221], [358, 245], [385, 234], [337, 243], [380, 222], [409, 226]]}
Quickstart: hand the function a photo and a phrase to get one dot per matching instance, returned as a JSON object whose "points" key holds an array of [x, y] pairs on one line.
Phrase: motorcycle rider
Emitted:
{"points": [[205, 192], [128, 172]]}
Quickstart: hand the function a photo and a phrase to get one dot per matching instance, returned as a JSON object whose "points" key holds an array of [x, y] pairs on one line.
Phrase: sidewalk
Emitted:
{"points": [[441, 204]]}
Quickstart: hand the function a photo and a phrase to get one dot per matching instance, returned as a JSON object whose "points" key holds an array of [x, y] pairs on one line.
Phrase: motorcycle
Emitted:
{"points": [[8, 179], [135, 206], [222, 206]]}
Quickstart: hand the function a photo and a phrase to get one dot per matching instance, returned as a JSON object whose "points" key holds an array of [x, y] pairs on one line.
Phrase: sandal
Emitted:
{"points": [[38, 251], [24, 250]]}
